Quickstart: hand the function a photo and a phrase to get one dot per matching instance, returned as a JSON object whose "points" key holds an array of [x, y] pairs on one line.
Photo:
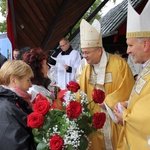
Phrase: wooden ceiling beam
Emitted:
{"points": [[52, 26]]}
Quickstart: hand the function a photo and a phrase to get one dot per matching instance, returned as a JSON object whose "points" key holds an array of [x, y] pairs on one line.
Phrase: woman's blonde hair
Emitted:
{"points": [[14, 68]]}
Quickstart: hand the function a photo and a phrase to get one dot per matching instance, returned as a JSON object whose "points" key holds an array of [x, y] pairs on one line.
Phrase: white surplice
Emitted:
{"points": [[73, 60]]}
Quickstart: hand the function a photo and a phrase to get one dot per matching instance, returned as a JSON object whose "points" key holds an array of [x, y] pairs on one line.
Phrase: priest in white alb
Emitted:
{"points": [[67, 62]]}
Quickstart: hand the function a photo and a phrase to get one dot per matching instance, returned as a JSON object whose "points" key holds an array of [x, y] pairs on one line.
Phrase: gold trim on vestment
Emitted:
{"points": [[140, 82], [138, 34]]}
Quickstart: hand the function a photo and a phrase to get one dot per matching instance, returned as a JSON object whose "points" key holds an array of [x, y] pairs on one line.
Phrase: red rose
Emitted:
{"points": [[99, 120], [73, 86], [61, 95], [35, 120], [56, 142], [57, 104], [98, 96], [39, 97], [41, 106], [73, 110]]}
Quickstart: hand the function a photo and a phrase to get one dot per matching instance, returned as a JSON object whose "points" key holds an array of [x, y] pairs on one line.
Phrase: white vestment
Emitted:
{"points": [[73, 60]]}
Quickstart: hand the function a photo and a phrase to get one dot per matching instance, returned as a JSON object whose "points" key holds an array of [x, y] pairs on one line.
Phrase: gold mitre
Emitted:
{"points": [[138, 25], [90, 35]]}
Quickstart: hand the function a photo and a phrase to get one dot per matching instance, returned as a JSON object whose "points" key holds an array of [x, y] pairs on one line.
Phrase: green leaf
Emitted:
{"points": [[35, 132], [83, 143], [69, 147], [83, 122], [38, 139], [42, 146]]}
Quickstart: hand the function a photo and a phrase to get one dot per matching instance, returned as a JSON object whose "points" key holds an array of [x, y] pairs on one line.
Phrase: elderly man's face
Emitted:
{"points": [[92, 55], [136, 49]]}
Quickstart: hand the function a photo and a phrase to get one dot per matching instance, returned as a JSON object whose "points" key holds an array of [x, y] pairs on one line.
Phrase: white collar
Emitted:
{"points": [[100, 68]]}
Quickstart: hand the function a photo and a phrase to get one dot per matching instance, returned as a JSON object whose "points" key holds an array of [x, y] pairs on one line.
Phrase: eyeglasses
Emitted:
{"points": [[62, 45], [87, 53]]}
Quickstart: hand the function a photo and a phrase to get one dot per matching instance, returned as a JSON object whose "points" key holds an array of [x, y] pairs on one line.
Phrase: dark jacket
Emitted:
{"points": [[2, 59], [14, 133]]}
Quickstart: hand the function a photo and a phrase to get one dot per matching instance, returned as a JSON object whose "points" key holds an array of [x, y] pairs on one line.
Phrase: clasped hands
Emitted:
{"points": [[118, 110]]}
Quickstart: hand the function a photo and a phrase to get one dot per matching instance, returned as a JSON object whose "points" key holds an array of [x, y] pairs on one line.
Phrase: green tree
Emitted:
{"points": [[87, 14], [3, 12]]}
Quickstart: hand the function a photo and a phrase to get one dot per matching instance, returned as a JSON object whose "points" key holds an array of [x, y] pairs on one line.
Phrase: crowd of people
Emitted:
{"points": [[124, 80]]}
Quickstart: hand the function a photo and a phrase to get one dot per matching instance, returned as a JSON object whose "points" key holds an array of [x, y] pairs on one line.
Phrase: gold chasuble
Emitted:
{"points": [[136, 131], [117, 85]]}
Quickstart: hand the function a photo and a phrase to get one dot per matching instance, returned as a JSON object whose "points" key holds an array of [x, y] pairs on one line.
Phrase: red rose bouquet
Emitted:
{"points": [[66, 123]]}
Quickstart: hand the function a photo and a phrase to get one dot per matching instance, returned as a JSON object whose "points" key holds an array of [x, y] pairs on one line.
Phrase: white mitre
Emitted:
{"points": [[138, 25], [90, 35]]}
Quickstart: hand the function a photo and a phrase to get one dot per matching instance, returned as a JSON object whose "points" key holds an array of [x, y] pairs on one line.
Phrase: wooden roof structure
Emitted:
{"points": [[42, 23], [117, 16]]}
